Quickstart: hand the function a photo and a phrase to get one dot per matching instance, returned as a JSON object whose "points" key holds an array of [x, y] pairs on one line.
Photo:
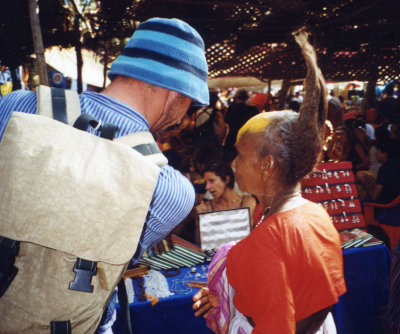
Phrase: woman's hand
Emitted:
{"points": [[202, 207], [204, 303]]}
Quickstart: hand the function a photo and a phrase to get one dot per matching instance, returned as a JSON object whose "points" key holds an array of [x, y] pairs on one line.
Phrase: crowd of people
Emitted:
{"points": [[288, 273], [371, 144]]}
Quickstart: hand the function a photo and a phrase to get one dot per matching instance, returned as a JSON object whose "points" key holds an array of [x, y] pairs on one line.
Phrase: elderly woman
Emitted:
{"points": [[286, 275]]}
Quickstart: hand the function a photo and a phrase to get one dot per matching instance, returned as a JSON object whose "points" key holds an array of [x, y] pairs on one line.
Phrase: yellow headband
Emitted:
{"points": [[257, 123]]}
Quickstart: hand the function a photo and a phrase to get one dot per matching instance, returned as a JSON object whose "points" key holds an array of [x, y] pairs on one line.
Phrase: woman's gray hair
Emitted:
{"points": [[295, 139]]}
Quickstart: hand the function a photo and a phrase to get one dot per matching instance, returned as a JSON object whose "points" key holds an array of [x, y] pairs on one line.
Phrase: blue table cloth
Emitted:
{"points": [[172, 315], [359, 311]]}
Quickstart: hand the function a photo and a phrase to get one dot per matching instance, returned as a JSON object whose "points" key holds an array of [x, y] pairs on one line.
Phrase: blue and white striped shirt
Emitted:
{"points": [[173, 197]]}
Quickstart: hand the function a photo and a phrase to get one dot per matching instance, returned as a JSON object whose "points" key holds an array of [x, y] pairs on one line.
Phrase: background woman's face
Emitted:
{"points": [[214, 184]]}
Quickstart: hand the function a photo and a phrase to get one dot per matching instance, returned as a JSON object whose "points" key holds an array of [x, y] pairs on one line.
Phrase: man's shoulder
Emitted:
{"points": [[252, 109], [387, 102], [172, 178], [19, 100], [389, 170], [19, 94]]}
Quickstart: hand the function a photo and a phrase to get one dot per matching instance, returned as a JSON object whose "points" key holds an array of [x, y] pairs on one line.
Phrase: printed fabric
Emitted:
{"points": [[225, 318]]}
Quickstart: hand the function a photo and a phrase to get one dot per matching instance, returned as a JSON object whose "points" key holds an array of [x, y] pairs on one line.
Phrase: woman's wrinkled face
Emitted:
{"points": [[214, 184], [247, 166]]}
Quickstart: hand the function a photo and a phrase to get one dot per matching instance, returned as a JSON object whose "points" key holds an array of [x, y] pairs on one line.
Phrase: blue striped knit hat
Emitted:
{"points": [[167, 53]]}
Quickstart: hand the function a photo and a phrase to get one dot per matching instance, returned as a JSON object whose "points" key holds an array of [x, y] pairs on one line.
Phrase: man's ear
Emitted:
{"points": [[170, 99]]}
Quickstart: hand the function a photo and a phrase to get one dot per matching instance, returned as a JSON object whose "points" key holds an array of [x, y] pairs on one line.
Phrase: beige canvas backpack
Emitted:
{"points": [[72, 209]]}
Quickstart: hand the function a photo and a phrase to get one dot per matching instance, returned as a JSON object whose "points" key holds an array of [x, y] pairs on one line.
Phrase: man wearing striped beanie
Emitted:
{"points": [[161, 71]]}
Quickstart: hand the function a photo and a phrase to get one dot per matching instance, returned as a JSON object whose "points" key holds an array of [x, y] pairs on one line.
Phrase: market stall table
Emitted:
{"points": [[172, 315], [358, 311]]}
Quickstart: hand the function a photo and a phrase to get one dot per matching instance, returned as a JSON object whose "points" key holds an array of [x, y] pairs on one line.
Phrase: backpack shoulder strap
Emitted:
{"points": [[64, 106], [144, 143], [59, 104]]}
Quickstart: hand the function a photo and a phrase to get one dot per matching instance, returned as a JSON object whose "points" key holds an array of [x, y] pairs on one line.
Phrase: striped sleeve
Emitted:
{"points": [[173, 199], [20, 100]]}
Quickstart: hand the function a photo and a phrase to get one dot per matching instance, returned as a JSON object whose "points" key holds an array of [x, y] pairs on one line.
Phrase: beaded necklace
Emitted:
{"points": [[262, 217], [278, 204]]}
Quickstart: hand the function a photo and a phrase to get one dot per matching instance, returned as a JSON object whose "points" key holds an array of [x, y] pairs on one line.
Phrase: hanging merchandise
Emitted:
{"points": [[57, 79], [5, 81], [6, 88]]}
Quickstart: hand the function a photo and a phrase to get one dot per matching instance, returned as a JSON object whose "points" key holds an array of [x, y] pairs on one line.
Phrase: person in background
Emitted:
{"points": [[347, 145], [364, 179], [294, 105], [201, 157], [209, 124], [220, 181], [288, 273], [335, 111], [395, 128], [6, 83], [237, 114], [273, 104], [160, 72], [386, 107], [386, 187], [369, 128], [172, 152]]}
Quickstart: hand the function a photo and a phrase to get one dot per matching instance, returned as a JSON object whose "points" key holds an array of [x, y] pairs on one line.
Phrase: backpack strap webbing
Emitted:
{"points": [[124, 305], [59, 104], [144, 143], [60, 327], [64, 106]]}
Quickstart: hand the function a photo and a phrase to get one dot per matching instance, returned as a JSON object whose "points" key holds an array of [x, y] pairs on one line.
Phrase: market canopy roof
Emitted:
{"points": [[355, 39], [64, 61]]}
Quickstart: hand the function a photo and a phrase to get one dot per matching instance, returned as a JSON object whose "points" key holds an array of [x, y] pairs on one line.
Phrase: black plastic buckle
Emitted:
{"points": [[84, 271], [9, 249]]}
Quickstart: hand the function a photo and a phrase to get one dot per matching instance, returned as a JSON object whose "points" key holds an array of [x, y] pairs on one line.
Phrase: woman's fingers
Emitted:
{"points": [[203, 308], [199, 303], [204, 303], [201, 294], [209, 311], [213, 300], [214, 326]]}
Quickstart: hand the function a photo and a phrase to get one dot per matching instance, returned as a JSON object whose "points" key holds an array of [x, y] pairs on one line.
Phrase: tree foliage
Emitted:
{"points": [[16, 44], [354, 38]]}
